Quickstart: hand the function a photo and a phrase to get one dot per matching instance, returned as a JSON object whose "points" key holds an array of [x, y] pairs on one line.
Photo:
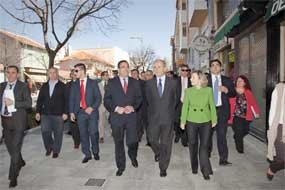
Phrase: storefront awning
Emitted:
{"points": [[227, 26], [274, 8], [37, 78]]}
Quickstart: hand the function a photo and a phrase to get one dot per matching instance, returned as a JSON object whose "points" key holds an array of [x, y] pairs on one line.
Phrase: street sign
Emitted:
{"points": [[201, 44]]}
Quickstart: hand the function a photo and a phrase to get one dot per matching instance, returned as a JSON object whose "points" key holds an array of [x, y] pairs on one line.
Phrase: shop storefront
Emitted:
{"points": [[251, 54]]}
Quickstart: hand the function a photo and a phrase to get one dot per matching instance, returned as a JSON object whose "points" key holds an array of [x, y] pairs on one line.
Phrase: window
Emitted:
{"points": [[184, 29], [183, 5]]}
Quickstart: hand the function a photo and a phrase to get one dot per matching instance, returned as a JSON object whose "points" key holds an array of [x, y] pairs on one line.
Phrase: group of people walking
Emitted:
{"points": [[191, 108]]}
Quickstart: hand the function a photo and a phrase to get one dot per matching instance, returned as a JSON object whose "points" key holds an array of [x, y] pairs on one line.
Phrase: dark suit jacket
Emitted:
{"points": [[23, 100], [161, 109], [57, 104], [93, 96], [179, 107], [225, 108], [115, 96]]}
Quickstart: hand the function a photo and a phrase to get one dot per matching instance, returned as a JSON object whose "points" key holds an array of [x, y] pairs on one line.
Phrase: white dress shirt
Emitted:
{"points": [[122, 80], [3, 104], [162, 81], [184, 85], [219, 92], [273, 105]]}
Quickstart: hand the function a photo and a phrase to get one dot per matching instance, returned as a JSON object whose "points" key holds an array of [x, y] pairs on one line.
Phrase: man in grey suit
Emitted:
{"points": [[122, 99], [85, 99], [15, 94], [161, 94]]}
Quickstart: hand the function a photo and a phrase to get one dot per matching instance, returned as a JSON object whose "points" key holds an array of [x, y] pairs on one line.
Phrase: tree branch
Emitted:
{"points": [[17, 18]]}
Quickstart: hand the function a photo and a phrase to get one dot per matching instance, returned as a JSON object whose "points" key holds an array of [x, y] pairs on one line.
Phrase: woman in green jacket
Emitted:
{"points": [[199, 115]]}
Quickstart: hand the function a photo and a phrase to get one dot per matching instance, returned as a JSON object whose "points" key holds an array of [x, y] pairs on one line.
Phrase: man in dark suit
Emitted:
{"points": [[141, 125], [14, 120], [183, 82], [161, 94], [52, 110], [122, 99], [84, 102], [223, 89], [73, 126]]}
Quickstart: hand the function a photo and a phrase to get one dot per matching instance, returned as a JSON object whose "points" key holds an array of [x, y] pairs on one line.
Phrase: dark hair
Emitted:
{"points": [[13, 67], [184, 65], [215, 60], [122, 61], [246, 81], [135, 70], [81, 66], [103, 73]]}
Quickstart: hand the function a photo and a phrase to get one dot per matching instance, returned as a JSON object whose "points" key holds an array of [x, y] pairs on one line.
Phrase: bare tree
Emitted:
{"points": [[59, 19], [142, 58]]}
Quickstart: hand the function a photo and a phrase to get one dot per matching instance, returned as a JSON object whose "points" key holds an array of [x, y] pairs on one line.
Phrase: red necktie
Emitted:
{"points": [[125, 86], [82, 95]]}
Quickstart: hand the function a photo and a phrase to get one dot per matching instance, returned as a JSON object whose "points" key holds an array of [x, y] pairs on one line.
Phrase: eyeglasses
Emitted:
{"points": [[184, 70]]}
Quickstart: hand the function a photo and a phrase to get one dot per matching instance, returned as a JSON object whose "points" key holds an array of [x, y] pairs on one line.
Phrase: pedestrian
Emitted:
{"points": [[162, 100], [15, 101], [141, 115], [122, 99], [223, 89], [276, 131], [243, 110], [52, 110], [183, 82], [85, 99], [199, 115], [103, 113], [72, 125]]}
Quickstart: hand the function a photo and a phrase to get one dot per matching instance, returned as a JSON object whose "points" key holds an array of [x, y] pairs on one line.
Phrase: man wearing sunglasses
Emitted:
{"points": [[85, 99], [183, 82]]}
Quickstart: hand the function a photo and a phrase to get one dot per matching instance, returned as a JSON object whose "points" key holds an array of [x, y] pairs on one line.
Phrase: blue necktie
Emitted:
{"points": [[159, 87], [216, 90]]}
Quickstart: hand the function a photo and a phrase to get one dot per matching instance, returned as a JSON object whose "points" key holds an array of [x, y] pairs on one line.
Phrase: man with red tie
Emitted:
{"points": [[122, 99], [85, 99]]}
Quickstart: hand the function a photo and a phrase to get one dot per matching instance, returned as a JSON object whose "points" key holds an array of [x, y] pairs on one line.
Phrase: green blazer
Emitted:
{"points": [[198, 106]]}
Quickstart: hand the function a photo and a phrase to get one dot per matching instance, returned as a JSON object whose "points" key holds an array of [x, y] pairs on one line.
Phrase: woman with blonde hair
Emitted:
{"points": [[199, 115]]}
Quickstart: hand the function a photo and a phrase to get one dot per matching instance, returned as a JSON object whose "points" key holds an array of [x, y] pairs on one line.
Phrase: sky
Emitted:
{"points": [[151, 20]]}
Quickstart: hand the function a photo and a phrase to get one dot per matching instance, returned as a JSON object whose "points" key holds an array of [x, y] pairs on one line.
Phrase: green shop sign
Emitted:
{"points": [[273, 8]]}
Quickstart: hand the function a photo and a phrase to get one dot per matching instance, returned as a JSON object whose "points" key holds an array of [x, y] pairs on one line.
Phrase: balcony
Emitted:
{"points": [[198, 12]]}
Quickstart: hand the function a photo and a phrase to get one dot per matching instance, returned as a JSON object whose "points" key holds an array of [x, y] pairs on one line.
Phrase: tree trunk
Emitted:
{"points": [[51, 56]]}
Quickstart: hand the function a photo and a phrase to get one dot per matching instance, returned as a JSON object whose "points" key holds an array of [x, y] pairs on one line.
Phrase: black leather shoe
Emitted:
{"points": [[54, 155], [23, 163], [119, 172], [13, 183], [86, 159], [96, 157], [194, 171], [176, 140], [163, 173], [48, 152], [269, 176], [135, 163], [156, 158], [206, 177], [225, 163]]}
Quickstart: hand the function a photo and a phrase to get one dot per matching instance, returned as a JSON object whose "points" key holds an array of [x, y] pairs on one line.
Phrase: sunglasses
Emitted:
{"points": [[76, 70], [185, 70]]}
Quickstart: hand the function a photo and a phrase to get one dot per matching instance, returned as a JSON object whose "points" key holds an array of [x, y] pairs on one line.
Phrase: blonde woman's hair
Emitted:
{"points": [[202, 77]]}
